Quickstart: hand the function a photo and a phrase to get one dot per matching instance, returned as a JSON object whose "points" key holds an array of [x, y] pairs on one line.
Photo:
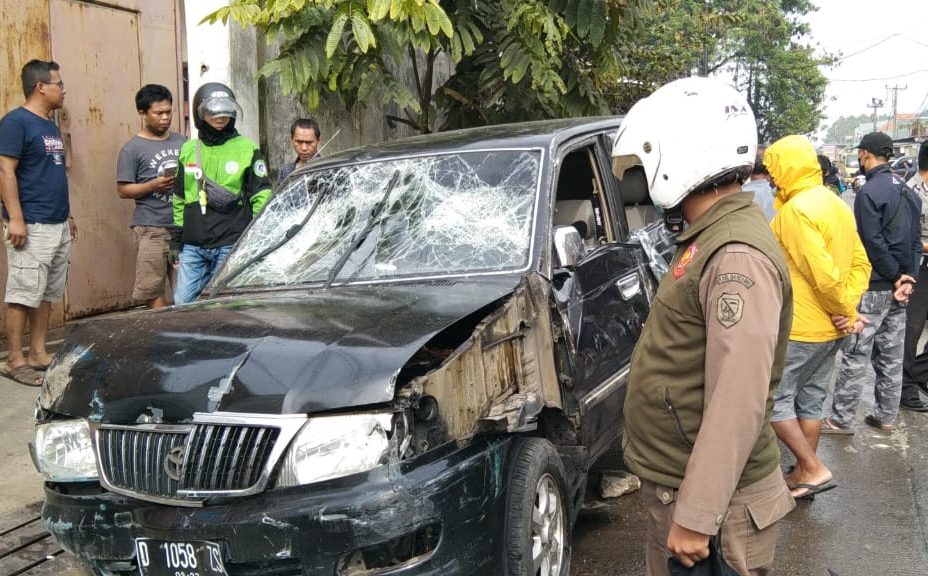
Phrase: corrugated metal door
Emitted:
{"points": [[98, 50]]}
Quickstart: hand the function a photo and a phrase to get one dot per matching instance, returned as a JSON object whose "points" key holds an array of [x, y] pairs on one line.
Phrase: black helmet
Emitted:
{"points": [[215, 99]]}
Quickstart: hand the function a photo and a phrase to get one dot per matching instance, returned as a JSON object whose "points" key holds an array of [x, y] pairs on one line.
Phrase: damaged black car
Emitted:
{"points": [[406, 365]]}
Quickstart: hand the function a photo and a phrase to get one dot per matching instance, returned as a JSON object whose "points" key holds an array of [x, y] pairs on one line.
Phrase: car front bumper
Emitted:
{"points": [[313, 529]]}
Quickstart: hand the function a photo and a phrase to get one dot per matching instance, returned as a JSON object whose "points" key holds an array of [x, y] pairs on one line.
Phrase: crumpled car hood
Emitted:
{"points": [[286, 353]]}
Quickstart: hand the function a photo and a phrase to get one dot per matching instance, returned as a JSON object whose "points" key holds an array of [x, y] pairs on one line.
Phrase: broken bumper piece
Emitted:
{"points": [[438, 514]]}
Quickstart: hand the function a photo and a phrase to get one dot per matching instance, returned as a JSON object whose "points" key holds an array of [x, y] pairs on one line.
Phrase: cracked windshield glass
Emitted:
{"points": [[448, 214]]}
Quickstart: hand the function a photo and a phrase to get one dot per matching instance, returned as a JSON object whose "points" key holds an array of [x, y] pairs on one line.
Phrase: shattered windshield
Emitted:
{"points": [[446, 214]]}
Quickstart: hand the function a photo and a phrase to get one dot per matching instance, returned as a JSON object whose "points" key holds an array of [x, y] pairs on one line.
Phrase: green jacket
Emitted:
{"points": [[665, 399], [238, 166]]}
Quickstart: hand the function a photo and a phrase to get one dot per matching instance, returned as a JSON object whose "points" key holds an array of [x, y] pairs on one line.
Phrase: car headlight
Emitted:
{"points": [[332, 446], [63, 451]]}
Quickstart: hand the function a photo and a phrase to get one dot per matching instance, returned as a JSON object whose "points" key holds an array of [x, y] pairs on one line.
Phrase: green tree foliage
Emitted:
{"points": [[514, 59], [761, 44], [842, 130], [529, 59], [542, 59], [352, 48]]}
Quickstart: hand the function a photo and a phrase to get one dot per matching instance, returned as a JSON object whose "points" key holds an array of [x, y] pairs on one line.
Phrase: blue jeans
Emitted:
{"points": [[197, 266]]}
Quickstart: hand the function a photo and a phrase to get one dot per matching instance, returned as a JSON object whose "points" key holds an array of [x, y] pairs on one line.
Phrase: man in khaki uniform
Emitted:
{"points": [[703, 373]]}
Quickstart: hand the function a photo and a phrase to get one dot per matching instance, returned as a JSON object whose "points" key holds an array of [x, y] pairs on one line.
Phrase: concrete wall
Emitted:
{"points": [[227, 54], [364, 126], [232, 55]]}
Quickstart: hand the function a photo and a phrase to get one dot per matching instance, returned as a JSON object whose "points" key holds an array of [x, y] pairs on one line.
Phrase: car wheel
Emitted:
{"points": [[538, 512]]}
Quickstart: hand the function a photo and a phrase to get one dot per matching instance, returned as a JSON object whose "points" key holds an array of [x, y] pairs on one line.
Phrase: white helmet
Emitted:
{"points": [[685, 134]]}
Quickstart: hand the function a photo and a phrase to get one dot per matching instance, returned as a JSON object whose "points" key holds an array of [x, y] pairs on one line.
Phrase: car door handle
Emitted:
{"points": [[629, 286]]}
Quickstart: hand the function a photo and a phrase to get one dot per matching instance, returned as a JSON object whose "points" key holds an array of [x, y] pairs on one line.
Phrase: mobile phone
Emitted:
{"points": [[169, 169]]}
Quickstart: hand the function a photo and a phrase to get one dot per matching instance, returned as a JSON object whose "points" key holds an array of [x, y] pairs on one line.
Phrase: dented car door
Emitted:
{"points": [[606, 305]]}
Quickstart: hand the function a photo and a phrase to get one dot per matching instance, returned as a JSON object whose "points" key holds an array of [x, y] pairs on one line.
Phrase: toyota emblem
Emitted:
{"points": [[174, 462]]}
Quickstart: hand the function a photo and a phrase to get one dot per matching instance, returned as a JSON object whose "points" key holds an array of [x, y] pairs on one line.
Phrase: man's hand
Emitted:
{"points": [[901, 294], [844, 324], [72, 226], [688, 546], [163, 184], [16, 232], [858, 325], [903, 288], [903, 280], [175, 246]]}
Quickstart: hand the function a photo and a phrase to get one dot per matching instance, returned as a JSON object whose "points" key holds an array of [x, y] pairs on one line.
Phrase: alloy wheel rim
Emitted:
{"points": [[548, 528]]}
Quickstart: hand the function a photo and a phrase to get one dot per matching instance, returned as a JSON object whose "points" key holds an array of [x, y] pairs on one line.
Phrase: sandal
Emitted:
{"points": [[829, 427], [25, 375]]}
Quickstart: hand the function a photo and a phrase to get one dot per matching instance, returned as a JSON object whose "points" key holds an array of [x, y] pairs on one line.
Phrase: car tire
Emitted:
{"points": [[538, 512]]}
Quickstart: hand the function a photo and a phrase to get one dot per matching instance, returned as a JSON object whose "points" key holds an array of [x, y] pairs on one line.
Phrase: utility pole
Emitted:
{"points": [[704, 65], [896, 90], [875, 103]]}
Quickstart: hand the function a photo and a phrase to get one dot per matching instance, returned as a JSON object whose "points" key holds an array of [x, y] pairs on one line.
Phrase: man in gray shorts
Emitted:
{"points": [[145, 173], [38, 228], [829, 271]]}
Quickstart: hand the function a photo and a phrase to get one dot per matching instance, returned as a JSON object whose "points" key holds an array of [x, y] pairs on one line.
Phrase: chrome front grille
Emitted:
{"points": [[134, 459], [221, 455], [226, 457]]}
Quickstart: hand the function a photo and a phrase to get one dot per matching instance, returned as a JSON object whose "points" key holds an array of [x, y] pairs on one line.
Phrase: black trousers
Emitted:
{"points": [[915, 365]]}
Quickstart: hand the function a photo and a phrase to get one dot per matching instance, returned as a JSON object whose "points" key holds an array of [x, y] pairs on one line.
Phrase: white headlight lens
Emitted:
{"points": [[332, 446], [64, 451]]}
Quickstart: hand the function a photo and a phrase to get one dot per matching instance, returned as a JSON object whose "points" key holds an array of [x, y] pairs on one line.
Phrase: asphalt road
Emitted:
{"points": [[874, 523]]}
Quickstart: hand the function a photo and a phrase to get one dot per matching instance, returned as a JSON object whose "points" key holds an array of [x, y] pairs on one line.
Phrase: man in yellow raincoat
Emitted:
{"points": [[830, 271]]}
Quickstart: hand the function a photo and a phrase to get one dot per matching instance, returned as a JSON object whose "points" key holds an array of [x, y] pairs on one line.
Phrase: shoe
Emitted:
{"points": [[829, 427], [875, 422], [914, 404], [812, 489]]}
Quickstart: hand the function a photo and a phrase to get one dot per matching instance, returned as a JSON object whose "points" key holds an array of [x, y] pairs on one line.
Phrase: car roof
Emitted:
{"points": [[538, 134]]}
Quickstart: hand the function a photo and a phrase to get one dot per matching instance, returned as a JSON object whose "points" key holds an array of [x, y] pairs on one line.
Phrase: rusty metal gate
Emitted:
{"points": [[106, 50], [31, 20], [98, 50]]}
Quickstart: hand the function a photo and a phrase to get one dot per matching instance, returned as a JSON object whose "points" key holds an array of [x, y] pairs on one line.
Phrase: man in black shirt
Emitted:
{"points": [[887, 213]]}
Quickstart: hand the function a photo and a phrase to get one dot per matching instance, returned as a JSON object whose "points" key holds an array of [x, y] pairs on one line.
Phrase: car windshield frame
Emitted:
{"points": [[241, 267]]}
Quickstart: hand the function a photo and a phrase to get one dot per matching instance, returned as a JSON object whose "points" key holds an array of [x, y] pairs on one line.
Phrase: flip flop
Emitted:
{"points": [[813, 489], [25, 375], [40, 367]]}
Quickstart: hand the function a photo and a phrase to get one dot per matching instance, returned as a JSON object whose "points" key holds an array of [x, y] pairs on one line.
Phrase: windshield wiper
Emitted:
{"points": [[290, 233], [362, 235]]}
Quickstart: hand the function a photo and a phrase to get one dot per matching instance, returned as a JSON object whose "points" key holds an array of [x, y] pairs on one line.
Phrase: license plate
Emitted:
{"points": [[193, 558]]}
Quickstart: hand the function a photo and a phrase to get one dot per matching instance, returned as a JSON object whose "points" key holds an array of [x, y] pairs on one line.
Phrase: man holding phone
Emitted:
{"points": [[145, 173]]}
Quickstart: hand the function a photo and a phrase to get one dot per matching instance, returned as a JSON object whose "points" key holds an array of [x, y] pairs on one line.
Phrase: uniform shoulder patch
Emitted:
{"points": [[734, 277], [260, 169], [685, 260], [730, 309]]}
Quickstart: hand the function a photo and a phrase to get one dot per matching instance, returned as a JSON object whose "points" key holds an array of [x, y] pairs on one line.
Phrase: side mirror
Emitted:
{"points": [[568, 245]]}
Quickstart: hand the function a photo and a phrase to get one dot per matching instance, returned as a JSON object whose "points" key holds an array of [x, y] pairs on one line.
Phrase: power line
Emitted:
{"points": [[922, 105], [895, 90], [912, 73], [861, 51]]}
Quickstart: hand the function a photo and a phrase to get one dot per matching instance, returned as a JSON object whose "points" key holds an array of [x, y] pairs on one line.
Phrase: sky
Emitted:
{"points": [[881, 44]]}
